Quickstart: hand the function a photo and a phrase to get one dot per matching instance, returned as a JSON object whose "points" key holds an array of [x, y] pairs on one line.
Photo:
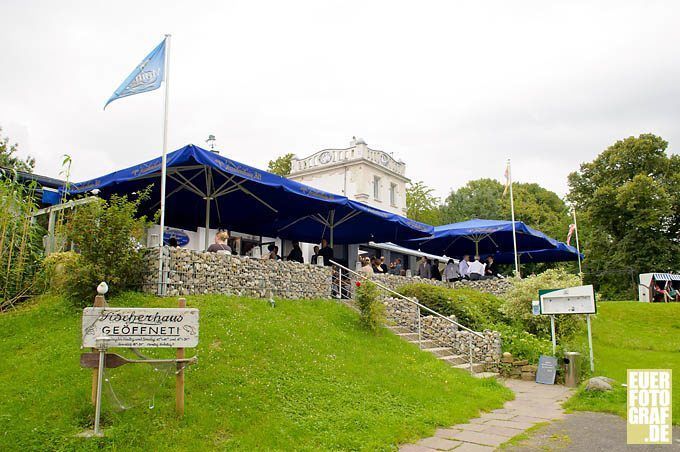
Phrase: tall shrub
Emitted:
{"points": [[107, 234], [372, 311], [517, 304], [20, 249]]}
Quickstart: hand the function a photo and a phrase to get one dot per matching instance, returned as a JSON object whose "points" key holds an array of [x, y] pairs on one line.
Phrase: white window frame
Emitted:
{"points": [[393, 194], [376, 188]]}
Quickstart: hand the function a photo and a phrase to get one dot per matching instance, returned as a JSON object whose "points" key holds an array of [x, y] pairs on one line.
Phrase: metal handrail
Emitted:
{"points": [[420, 306]]}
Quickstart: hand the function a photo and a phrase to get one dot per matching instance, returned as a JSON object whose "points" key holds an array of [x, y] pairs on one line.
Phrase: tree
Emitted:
{"points": [[628, 199], [483, 198], [11, 161], [281, 165], [421, 204]]}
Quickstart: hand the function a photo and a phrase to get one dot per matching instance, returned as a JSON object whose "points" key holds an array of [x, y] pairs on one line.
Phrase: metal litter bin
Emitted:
{"points": [[572, 368]]}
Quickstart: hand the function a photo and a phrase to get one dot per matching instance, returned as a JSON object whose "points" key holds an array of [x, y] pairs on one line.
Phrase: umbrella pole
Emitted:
{"points": [[207, 222], [476, 247], [332, 225]]}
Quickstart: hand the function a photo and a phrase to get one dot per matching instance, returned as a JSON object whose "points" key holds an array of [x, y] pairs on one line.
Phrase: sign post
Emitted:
{"points": [[179, 382], [572, 300], [105, 327]]}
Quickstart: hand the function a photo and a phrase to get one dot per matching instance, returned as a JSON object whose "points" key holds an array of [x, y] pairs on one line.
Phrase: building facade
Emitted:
{"points": [[368, 175]]}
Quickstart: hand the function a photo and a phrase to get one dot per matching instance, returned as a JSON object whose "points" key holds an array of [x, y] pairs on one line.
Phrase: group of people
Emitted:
{"points": [[465, 269], [295, 255], [376, 265]]}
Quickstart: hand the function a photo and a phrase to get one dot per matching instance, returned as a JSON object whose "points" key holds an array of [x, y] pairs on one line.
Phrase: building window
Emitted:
{"points": [[376, 188], [393, 194]]}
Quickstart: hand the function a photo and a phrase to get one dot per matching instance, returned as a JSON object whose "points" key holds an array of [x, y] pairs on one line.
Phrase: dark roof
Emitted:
{"points": [[43, 181]]}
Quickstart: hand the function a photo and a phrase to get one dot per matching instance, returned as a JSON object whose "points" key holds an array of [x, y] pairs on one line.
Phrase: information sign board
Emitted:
{"points": [[572, 300], [141, 327], [547, 370]]}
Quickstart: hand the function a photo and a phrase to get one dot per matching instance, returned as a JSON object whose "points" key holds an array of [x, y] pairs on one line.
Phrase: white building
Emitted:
{"points": [[368, 175]]}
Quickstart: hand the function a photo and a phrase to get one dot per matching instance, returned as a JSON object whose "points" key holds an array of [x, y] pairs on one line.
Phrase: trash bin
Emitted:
{"points": [[572, 368]]}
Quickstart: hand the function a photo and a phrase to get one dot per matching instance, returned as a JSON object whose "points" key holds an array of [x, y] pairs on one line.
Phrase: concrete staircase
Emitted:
{"points": [[446, 354]]}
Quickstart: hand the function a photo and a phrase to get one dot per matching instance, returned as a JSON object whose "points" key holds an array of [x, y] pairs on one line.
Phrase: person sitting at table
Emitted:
{"points": [[464, 267], [326, 252], [315, 256], [377, 268], [476, 269], [451, 272], [491, 270], [366, 267], [295, 254], [220, 246], [434, 270]]}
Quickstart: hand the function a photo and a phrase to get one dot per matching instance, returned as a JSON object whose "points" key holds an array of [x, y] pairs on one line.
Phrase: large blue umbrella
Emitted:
{"points": [[481, 237], [204, 188], [344, 224], [563, 253]]}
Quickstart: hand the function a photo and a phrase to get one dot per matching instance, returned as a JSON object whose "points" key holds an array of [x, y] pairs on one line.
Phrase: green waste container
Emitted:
{"points": [[572, 368]]}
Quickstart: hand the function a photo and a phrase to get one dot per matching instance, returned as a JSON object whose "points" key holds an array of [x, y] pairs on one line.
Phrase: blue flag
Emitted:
{"points": [[147, 76]]}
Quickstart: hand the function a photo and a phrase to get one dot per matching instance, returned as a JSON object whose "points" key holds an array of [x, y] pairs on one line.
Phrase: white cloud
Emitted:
{"points": [[452, 88]]}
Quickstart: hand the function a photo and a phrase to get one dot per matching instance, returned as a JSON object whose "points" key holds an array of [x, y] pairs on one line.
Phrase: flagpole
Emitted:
{"points": [[578, 248], [164, 163], [512, 212]]}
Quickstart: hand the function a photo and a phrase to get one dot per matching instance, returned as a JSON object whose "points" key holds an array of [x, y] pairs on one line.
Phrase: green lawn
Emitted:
{"points": [[302, 376], [632, 335]]}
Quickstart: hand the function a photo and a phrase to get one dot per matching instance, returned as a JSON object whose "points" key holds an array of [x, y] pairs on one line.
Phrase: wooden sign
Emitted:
{"points": [[141, 327], [547, 370], [572, 300]]}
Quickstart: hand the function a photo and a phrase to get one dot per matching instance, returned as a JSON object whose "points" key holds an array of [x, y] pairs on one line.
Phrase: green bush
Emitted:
{"points": [[372, 311], [473, 309], [517, 305], [67, 273], [107, 235], [521, 344]]}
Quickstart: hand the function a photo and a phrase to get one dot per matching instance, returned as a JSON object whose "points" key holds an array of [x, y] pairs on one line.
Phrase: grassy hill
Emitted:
{"points": [[632, 335], [302, 376]]}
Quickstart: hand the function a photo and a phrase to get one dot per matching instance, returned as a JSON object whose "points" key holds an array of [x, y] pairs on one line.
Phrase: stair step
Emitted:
{"points": [[455, 359], [440, 351], [476, 367], [424, 344], [411, 337], [399, 329], [486, 375]]}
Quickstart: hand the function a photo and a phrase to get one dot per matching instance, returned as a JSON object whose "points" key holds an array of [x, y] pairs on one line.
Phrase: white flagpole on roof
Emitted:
{"points": [[164, 163], [512, 212], [578, 248]]}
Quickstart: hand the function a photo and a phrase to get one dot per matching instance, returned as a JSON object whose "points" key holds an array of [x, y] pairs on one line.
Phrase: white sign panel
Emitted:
{"points": [[572, 300], [141, 327]]}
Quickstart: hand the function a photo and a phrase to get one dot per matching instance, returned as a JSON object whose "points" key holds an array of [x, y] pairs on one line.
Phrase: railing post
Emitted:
{"points": [[339, 283], [420, 337], [470, 350]]}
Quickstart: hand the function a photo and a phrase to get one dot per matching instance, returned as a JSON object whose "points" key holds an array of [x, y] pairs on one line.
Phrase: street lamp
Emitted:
{"points": [[211, 143]]}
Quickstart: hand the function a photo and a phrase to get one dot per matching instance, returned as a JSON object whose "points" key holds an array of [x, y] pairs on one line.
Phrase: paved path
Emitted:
{"points": [[534, 403], [591, 432]]}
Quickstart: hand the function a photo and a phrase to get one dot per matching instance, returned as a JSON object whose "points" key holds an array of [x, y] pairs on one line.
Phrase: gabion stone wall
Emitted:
{"points": [[486, 349], [187, 272], [494, 286]]}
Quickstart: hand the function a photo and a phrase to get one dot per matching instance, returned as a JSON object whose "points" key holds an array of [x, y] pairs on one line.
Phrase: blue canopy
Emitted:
{"points": [[204, 188], [562, 253], [481, 237]]}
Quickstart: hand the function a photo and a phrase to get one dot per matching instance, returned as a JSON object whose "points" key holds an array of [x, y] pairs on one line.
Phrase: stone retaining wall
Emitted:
{"points": [[494, 286], [486, 349], [189, 272]]}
